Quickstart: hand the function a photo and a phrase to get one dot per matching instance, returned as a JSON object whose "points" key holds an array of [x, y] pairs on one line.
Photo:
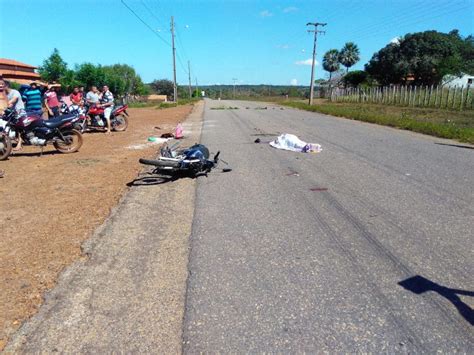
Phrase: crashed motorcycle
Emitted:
{"points": [[193, 161], [33, 130]]}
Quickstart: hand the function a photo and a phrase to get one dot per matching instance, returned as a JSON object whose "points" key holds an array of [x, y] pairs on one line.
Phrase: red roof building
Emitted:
{"points": [[18, 72]]}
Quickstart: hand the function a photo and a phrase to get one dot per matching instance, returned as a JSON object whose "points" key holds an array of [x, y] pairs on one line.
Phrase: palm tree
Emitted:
{"points": [[349, 55], [331, 62]]}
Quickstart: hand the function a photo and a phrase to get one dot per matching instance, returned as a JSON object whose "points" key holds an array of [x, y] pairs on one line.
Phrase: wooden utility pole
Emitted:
{"points": [[189, 78], [316, 31], [175, 86], [233, 95]]}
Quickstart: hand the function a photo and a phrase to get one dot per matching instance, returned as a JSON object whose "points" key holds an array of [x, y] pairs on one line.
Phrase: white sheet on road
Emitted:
{"points": [[291, 142]]}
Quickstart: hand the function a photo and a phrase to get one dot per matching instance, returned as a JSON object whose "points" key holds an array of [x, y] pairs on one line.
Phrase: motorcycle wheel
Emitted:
{"points": [[74, 139], [5, 147], [120, 123]]}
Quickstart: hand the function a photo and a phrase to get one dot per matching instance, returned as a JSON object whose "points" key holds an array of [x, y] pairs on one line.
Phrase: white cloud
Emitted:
{"points": [[290, 9], [283, 46], [395, 40], [266, 13], [306, 62], [294, 82]]}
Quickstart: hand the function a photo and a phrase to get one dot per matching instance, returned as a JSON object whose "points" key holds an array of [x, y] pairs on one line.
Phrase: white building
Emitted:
{"points": [[451, 81]]}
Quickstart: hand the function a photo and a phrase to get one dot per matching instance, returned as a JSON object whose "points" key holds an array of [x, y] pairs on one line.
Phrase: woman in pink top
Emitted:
{"points": [[51, 101]]}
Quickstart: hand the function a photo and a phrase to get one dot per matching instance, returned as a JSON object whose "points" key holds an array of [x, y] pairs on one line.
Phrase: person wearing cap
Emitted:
{"points": [[51, 101], [33, 97]]}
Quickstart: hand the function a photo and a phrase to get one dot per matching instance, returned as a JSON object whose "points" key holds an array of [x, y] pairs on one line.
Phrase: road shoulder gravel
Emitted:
{"points": [[128, 291]]}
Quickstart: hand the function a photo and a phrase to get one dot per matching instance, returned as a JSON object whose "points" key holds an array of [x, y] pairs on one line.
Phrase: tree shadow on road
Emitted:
{"points": [[418, 285]]}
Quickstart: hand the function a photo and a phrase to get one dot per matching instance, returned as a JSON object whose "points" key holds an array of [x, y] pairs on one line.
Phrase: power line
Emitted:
{"points": [[412, 21], [146, 24], [151, 12], [181, 43], [398, 19], [181, 63]]}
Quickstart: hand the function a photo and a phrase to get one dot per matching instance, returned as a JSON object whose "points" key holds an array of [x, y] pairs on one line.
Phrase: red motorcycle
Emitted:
{"points": [[33, 130], [94, 119]]}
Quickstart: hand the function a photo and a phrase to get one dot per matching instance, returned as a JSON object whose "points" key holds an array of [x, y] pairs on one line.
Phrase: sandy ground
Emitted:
{"points": [[50, 204]]}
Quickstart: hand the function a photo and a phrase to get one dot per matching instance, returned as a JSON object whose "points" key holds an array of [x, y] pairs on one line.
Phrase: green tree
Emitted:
{"points": [[68, 80], [331, 62], [426, 57], [355, 78], [53, 68], [349, 55], [89, 74], [163, 87]]}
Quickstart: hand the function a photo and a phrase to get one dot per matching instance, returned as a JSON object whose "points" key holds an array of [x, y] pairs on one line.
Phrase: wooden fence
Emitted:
{"points": [[455, 98]]}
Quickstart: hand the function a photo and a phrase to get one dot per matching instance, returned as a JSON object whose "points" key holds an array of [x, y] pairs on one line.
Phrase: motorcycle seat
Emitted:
{"points": [[58, 121]]}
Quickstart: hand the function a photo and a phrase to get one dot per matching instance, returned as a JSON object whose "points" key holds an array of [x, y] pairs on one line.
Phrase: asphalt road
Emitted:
{"points": [[367, 246]]}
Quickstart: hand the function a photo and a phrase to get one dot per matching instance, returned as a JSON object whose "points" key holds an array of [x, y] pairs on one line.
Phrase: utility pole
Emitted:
{"points": [[316, 31], [189, 78], [175, 86], [197, 88], [233, 95]]}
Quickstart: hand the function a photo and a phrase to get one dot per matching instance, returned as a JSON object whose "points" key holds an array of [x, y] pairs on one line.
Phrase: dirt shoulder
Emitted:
{"points": [[51, 204]]}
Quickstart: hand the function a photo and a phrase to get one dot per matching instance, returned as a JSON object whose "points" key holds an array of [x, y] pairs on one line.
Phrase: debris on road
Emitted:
{"points": [[318, 189], [158, 139], [224, 108], [292, 173], [291, 142], [178, 132]]}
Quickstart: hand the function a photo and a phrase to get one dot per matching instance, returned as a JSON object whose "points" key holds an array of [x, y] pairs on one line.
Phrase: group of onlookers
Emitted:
{"points": [[34, 98]]}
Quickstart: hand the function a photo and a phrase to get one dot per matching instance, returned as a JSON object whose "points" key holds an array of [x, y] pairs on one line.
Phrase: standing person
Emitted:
{"points": [[92, 97], [107, 102], [33, 98], [14, 100], [81, 90], [51, 101], [15, 103]]}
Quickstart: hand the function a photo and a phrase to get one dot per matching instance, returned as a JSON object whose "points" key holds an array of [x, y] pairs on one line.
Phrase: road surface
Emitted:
{"points": [[367, 246]]}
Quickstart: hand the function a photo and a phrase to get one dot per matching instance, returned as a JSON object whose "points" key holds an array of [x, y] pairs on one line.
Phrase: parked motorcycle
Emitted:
{"points": [[193, 162], [33, 130], [92, 118], [5, 144]]}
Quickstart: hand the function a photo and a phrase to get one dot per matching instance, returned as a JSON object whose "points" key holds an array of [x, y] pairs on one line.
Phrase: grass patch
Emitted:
{"points": [[161, 105], [142, 104], [180, 102], [457, 125]]}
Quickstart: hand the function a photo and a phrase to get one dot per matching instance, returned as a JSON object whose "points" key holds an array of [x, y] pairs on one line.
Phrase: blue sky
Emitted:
{"points": [[256, 42]]}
